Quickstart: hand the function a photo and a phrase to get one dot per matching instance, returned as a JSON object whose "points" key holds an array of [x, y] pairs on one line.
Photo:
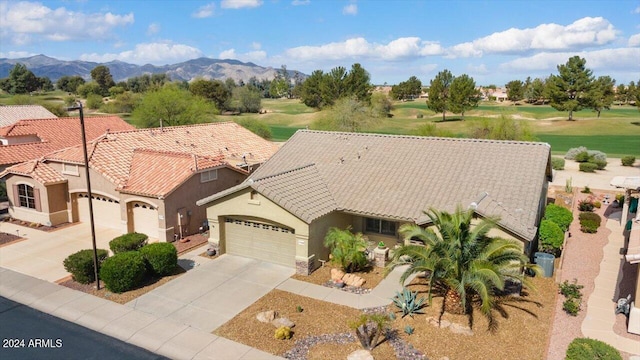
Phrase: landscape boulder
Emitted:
{"points": [[336, 274], [266, 316], [283, 321]]}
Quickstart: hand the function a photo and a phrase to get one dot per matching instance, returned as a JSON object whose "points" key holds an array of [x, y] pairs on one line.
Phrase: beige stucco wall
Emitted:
{"points": [[319, 228], [52, 202]]}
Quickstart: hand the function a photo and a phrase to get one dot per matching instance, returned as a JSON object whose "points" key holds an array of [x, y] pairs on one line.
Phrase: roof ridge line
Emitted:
{"points": [[284, 172], [165, 128]]}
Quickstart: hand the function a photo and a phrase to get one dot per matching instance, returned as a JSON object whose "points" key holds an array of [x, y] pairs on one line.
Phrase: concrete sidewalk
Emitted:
{"points": [[161, 336]]}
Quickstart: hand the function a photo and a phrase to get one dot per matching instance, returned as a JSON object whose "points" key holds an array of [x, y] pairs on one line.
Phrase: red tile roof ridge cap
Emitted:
{"points": [[179, 153], [346, 133]]}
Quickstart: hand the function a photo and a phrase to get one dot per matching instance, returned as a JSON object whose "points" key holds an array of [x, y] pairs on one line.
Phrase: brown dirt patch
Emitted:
{"points": [[38, 226], [190, 242], [321, 275], [6, 239], [124, 297], [522, 331]]}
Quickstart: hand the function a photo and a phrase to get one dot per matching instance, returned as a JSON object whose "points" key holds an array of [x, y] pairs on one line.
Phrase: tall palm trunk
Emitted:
{"points": [[453, 303]]}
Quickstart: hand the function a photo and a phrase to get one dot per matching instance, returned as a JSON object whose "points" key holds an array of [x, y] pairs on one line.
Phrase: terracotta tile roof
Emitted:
{"points": [[398, 177], [37, 170], [55, 134], [11, 114], [133, 160], [150, 170]]}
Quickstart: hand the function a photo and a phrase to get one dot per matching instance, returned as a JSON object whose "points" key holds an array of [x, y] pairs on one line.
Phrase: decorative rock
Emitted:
{"points": [[283, 321], [360, 355], [336, 274], [460, 329], [353, 280], [441, 324], [266, 316]]}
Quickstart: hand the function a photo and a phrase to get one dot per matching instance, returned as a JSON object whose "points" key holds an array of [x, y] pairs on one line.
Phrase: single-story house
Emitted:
{"points": [[11, 114], [374, 183], [33, 138], [145, 180]]}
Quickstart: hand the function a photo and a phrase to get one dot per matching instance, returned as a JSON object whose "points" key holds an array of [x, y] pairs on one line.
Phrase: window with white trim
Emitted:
{"points": [[209, 175], [378, 226], [26, 196], [70, 169]]}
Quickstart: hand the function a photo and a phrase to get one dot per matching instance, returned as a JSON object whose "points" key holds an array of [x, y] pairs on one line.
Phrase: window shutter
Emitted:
{"points": [[16, 195], [36, 199]]}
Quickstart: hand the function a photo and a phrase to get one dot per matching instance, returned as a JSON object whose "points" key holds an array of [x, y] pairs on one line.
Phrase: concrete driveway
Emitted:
{"points": [[213, 292], [41, 254]]}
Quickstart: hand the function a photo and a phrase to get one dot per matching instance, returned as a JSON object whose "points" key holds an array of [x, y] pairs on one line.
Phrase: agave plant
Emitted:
{"points": [[408, 302]]}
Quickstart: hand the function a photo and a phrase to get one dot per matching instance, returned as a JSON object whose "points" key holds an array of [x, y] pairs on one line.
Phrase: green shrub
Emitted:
{"points": [[582, 157], [94, 101], [551, 236], [628, 160], [571, 290], [590, 349], [595, 155], [408, 302], [123, 271], [80, 265], [586, 190], [585, 205], [573, 152], [128, 242], [588, 226], [557, 163], [588, 167], [347, 249], [559, 215], [161, 258], [571, 306], [256, 126], [590, 216], [620, 198], [600, 164], [597, 204]]}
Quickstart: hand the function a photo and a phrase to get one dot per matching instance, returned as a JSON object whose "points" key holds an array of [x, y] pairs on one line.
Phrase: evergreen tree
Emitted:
{"points": [[439, 92], [568, 91]]}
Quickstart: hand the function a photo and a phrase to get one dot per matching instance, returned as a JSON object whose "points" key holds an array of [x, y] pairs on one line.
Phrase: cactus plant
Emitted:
{"points": [[408, 330], [408, 302], [283, 333]]}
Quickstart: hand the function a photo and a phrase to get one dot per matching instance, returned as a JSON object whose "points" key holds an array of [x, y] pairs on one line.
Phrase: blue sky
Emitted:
{"points": [[492, 41]]}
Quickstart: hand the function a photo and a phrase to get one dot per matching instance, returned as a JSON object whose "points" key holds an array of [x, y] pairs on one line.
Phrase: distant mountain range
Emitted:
{"points": [[207, 68]]}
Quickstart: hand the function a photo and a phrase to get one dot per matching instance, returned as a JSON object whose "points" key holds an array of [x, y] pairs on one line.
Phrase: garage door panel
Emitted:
{"points": [[260, 241], [145, 219], [106, 212]]}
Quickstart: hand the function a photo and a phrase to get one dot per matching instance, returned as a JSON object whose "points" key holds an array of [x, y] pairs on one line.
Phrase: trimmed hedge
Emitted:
{"points": [[557, 163], [589, 222], [582, 157], [551, 237], [123, 271], [588, 167], [80, 265], [161, 258], [628, 160], [559, 215], [128, 242], [591, 349], [600, 164]]}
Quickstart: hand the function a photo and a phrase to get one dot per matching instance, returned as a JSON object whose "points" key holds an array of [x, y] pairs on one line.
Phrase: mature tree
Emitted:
{"points": [[462, 260], [602, 94], [439, 92], [637, 96], [21, 80], [409, 89], [621, 94], [463, 95], [69, 83], [515, 90], [171, 106], [534, 93], [146, 82], [45, 83], [89, 88], [504, 128], [632, 91], [214, 90], [358, 83], [310, 90], [352, 115], [568, 91], [247, 99], [102, 76], [380, 105], [280, 86], [333, 85]]}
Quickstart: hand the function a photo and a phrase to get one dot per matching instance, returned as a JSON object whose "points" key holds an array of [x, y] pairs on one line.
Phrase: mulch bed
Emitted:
{"points": [[38, 226], [6, 239], [190, 242], [124, 297]]}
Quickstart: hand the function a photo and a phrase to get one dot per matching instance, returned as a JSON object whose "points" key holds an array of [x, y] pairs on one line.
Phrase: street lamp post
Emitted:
{"points": [[86, 170]]}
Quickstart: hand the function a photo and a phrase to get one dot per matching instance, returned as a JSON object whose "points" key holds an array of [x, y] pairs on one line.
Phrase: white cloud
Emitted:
{"points": [[606, 59], [153, 53], [582, 33], [24, 22], [351, 9], [401, 48], [477, 69], [16, 54], [637, 10], [300, 2], [153, 28], [204, 11], [251, 56], [256, 45], [634, 40], [239, 4]]}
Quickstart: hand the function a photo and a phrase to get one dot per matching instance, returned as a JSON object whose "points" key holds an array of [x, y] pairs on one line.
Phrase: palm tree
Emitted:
{"points": [[461, 259]]}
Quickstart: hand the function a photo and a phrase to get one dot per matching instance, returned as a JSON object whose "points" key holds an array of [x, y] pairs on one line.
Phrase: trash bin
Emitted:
{"points": [[545, 261]]}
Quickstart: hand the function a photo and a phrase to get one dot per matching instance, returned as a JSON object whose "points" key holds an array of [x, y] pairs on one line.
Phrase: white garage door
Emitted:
{"points": [[145, 219], [106, 211], [260, 241]]}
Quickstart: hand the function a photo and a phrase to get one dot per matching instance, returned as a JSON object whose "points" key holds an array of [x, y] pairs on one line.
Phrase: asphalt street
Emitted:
{"points": [[27, 333]]}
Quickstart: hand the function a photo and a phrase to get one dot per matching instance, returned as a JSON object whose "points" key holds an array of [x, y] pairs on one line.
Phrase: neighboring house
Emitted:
{"points": [[11, 114], [31, 139], [373, 184], [144, 180]]}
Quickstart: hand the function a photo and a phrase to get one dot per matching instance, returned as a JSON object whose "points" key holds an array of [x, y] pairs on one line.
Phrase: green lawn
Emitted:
{"points": [[612, 145], [282, 133]]}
